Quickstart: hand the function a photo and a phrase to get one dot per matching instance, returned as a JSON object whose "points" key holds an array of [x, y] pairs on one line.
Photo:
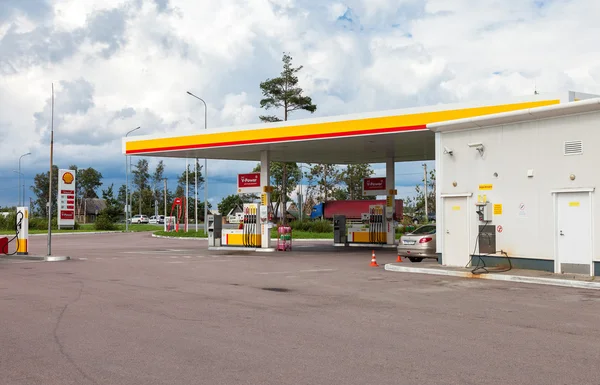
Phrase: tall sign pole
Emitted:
{"points": [[49, 205]]}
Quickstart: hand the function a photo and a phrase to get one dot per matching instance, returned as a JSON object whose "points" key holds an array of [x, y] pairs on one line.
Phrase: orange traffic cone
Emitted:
{"points": [[373, 260], [399, 258]]}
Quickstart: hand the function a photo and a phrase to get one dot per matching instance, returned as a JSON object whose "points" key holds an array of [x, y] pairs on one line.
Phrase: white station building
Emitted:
{"points": [[521, 184]]}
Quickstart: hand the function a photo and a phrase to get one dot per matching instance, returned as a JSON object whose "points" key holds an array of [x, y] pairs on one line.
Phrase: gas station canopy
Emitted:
{"points": [[360, 138]]}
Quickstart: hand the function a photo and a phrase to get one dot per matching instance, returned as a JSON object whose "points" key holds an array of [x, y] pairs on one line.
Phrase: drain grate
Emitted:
{"points": [[276, 289]]}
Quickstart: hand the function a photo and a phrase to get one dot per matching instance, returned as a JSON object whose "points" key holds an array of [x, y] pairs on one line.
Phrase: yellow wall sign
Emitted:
{"points": [[456, 208], [574, 204], [390, 201], [486, 187], [263, 199], [497, 209]]}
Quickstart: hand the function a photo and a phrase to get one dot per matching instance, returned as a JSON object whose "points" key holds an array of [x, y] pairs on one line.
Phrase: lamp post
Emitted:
{"points": [[19, 186], [127, 185], [20, 178], [205, 174]]}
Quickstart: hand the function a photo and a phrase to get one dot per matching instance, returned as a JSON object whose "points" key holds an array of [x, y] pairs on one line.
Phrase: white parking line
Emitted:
{"points": [[300, 271], [316, 270]]}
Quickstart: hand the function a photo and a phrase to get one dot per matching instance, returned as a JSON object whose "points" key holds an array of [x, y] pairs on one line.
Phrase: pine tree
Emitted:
{"points": [[284, 93]]}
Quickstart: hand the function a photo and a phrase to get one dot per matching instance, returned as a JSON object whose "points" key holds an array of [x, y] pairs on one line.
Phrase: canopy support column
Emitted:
{"points": [[390, 171]]}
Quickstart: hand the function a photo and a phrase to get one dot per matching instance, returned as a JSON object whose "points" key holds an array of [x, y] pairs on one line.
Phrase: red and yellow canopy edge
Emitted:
{"points": [[343, 128]]}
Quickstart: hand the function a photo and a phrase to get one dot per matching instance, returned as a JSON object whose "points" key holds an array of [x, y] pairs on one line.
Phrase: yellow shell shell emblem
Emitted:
{"points": [[68, 178]]}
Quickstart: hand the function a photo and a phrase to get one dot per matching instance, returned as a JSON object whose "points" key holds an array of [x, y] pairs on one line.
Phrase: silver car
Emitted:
{"points": [[418, 244]]}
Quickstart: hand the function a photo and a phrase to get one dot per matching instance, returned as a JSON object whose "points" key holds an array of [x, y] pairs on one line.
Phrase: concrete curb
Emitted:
{"points": [[273, 239], [496, 277], [50, 258]]}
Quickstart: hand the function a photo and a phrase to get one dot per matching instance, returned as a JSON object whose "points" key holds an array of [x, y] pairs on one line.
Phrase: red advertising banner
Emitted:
{"points": [[374, 184], [249, 180], [67, 214], [248, 183]]}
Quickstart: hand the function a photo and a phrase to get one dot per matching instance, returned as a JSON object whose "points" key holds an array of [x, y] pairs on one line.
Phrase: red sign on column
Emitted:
{"points": [[374, 186], [249, 182]]}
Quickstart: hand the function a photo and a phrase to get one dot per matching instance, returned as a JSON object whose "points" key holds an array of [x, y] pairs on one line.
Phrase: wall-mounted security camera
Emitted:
{"points": [[478, 146], [448, 151]]}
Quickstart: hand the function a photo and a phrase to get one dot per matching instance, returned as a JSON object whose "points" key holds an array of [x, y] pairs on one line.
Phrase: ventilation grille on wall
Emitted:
{"points": [[574, 147]]}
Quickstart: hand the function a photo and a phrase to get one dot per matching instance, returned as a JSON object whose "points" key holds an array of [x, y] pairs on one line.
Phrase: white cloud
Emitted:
{"points": [[120, 64]]}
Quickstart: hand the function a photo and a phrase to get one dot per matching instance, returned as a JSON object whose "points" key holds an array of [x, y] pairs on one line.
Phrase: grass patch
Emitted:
{"points": [[182, 234], [139, 227], [296, 234], [87, 228]]}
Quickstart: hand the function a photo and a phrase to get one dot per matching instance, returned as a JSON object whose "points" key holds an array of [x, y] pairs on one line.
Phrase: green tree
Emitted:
{"points": [[113, 208], [284, 93], [141, 177], [353, 177], [191, 175], [121, 196], [158, 186], [419, 200], [40, 190], [230, 201], [323, 181], [89, 180]]}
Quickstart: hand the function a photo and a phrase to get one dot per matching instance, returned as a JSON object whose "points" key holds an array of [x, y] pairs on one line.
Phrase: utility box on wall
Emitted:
{"points": [[487, 239]]}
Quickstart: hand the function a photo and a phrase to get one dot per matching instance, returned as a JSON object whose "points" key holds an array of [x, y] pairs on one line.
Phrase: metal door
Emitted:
{"points": [[574, 232], [456, 232]]}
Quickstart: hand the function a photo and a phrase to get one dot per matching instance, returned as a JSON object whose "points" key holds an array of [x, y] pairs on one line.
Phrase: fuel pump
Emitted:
{"points": [[377, 224], [251, 226]]}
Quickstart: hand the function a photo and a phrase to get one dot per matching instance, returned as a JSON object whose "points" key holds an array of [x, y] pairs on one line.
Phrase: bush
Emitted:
{"points": [[312, 226], [40, 223], [103, 222], [8, 223], [35, 223]]}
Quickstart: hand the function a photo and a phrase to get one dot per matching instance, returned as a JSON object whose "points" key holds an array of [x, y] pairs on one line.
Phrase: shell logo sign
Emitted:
{"points": [[68, 178]]}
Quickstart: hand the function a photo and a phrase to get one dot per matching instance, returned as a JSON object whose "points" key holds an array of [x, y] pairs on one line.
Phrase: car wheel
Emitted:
{"points": [[415, 259]]}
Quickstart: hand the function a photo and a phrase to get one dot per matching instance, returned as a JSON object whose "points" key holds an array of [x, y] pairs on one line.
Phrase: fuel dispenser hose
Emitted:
{"points": [[18, 225]]}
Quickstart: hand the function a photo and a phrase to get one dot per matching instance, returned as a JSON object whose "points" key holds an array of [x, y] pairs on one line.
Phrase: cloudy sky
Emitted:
{"points": [[119, 64]]}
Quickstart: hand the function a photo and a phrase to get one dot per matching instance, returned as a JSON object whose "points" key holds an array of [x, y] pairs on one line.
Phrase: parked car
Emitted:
{"points": [[418, 244], [419, 216], [139, 219], [157, 219]]}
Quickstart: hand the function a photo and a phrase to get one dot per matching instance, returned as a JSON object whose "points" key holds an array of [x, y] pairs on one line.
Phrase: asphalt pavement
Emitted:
{"points": [[132, 309]]}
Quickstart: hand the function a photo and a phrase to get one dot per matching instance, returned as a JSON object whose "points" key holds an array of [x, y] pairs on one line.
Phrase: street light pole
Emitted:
{"points": [[127, 185], [205, 172], [20, 178]]}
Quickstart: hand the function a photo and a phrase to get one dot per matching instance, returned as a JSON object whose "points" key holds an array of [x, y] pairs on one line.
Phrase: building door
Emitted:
{"points": [[574, 232], [455, 232]]}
